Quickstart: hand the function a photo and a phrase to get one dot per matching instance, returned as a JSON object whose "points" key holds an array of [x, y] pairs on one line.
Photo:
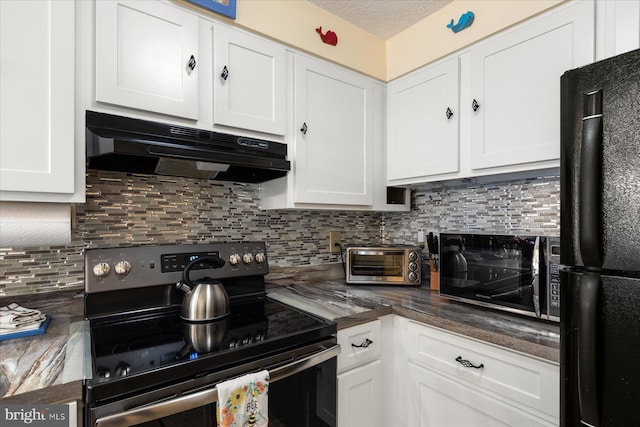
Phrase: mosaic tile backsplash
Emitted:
{"points": [[528, 206], [124, 210]]}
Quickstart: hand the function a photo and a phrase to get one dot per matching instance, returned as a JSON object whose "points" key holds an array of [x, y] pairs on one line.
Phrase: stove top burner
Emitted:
{"points": [[132, 354], [138, 340]]}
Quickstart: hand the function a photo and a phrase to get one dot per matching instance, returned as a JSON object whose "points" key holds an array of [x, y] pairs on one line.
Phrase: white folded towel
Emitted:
{"points": [[243, 401], [14, 316]]}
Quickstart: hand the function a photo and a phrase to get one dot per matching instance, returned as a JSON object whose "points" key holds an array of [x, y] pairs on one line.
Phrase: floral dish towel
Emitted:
{"points": [[243, 401]]}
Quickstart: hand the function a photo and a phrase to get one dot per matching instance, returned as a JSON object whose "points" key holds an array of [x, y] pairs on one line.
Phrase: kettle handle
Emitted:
{"points": [[214, 261]]}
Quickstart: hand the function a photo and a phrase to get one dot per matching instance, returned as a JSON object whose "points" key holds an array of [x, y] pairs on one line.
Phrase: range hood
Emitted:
{"points": [[123, 144]]}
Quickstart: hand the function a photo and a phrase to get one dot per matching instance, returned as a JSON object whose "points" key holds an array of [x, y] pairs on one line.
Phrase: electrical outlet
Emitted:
{"points": [[334, 241]]}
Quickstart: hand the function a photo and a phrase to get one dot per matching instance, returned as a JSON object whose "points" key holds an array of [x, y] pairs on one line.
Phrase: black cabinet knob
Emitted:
{"points": [[192, 63]]}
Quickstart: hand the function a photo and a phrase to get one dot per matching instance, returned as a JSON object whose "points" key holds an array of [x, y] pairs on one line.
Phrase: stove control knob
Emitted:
{"points": [[247, 258], [101, 269], [234, 259], [122, 268], [260, 257]]}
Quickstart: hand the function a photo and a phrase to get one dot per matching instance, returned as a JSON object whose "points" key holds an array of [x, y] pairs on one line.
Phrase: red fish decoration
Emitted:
{"points": [[329, 37]]}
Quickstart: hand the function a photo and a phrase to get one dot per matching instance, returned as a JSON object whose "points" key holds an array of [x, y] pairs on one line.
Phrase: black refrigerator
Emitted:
{"points": [[600, 243]]}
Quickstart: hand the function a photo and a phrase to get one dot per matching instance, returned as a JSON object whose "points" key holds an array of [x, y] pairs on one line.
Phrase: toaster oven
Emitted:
{"points": [[383, 265]]}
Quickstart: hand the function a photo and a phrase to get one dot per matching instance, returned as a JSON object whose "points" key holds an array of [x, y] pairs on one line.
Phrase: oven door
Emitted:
{"points": [[302, 393]]}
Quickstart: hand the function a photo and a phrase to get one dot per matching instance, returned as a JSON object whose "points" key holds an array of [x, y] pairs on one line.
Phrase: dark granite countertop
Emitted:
{"points": [[349, 305], [49, 368]]}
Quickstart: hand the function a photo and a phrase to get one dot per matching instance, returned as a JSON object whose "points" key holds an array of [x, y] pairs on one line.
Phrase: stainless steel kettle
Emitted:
{"points": [[205, 299]]}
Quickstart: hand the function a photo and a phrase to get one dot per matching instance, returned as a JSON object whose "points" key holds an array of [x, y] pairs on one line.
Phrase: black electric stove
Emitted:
{"points": [[140, 344]]}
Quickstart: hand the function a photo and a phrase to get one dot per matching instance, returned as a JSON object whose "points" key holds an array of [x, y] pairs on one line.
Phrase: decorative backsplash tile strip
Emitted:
{"points": [[123, 210], [530, 206]]}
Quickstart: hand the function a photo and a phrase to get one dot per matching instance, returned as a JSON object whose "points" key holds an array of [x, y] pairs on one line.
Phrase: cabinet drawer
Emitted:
{"points": [[360, 344], [509, 375]]}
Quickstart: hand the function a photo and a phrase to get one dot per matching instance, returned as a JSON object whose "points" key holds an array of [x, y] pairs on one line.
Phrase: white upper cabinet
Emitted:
{"points": [[493, 108], [147, 57], [422, 122], [37, 87], [515, 87], [332, 142], [618, 22], [249, 77]]}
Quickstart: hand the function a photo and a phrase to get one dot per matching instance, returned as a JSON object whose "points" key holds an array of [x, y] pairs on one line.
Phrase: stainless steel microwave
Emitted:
{"points": [[383, 265], [508, 272]]}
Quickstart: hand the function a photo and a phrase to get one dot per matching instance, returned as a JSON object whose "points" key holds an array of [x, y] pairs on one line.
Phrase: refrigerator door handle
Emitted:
{"points": [[587, 349], [590, 178]]}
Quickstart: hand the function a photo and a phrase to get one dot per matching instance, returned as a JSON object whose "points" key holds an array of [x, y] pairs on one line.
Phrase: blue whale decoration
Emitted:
{"points": [[465, 21]]}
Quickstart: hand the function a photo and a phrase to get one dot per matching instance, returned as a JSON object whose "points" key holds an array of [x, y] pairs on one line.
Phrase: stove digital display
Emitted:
{"points": [[177, 262]]}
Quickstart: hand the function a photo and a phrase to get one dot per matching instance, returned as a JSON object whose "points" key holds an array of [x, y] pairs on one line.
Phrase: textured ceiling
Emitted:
{"points": [[382, 18]]}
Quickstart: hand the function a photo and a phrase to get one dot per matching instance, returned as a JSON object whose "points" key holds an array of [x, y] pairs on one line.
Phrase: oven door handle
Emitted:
{"points": [[205, 397]]}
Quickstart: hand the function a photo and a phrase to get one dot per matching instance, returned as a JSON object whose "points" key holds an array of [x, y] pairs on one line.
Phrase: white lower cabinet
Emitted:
{"points": [[457, 381], [439, 401], [360, 397], [360, 376], [395, 371]]}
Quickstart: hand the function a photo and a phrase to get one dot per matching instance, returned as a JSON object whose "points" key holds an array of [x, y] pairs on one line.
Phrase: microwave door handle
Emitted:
{"points": [[205, 397], [535, 272]]}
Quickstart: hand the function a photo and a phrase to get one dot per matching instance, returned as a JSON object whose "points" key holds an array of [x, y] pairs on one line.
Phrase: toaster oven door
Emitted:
{"points": [[376, 266]]}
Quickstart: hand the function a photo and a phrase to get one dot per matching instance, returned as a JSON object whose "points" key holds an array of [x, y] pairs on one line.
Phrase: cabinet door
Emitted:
{"points": [[422, 134], [515, 87], [360, 396], [143, 57], [333, 142], [621, 20], [438, 401], [249, 82], [37, 60]]}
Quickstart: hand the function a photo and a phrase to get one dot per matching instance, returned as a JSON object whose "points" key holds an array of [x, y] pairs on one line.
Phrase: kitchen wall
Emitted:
{"points": [[124, 210]]}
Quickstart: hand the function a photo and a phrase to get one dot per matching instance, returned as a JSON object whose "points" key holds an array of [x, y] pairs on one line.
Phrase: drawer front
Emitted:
{"points": [[359, 344], [437, 400], [511, 376]]}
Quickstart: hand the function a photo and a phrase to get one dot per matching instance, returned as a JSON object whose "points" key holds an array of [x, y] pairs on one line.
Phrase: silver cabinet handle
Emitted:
{"points": [[468, 364], [449, 113], [475, 105], [206, 397], [304, 128], [225, 73]]}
